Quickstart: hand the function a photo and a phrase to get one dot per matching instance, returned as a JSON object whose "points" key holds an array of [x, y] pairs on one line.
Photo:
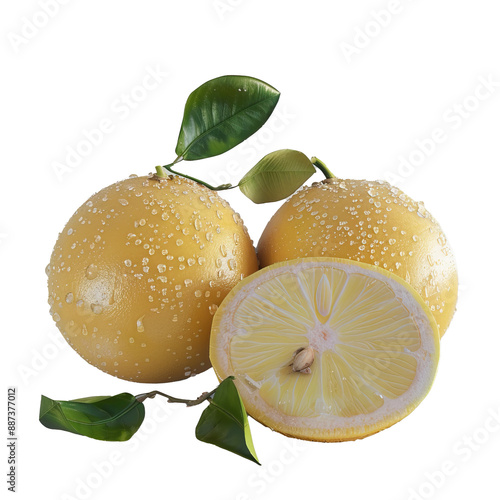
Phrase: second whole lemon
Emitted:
{"points": [[370, 222], [138, 272]]}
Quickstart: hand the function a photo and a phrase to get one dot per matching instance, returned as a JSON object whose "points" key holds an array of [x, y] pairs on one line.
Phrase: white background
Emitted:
{"points": [[358, 102]]}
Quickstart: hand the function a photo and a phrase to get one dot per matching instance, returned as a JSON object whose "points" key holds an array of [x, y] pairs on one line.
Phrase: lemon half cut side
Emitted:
{"points": [[326, 349]]}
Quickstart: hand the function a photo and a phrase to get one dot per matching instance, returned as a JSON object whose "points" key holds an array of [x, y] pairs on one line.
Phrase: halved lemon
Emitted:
{"points": [[326, 349]]}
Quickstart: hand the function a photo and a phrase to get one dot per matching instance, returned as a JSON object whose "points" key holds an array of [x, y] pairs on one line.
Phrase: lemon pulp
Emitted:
{"points": [[375, 347]]}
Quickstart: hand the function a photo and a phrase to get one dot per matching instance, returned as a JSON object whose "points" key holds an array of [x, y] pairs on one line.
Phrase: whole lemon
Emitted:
{"points": [[370, 222], [138, 272]]}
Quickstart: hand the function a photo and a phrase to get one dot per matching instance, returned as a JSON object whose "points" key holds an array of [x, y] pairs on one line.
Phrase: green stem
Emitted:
{"points": [[319, 164], [162, 173], [188, 402]]}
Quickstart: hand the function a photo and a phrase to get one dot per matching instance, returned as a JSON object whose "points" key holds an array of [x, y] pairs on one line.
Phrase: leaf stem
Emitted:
{"points": [[319, 164], [162, 173], [172, 399]]}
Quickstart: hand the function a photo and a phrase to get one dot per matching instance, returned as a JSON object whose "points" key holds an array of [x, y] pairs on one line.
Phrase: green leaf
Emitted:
{"points": [[276, 176], [109, 418], [225, 424], [222, 113]]}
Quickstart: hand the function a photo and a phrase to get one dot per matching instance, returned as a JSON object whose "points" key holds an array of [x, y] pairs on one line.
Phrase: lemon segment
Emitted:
{"points": [[375, 344]]}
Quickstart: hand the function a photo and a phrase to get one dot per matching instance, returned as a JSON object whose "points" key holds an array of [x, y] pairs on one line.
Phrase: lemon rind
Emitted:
{"points": [[330, 428]]}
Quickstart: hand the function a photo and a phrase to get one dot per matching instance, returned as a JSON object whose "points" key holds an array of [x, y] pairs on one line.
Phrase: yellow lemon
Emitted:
{"points": [[370, 222], [326, 349], [137, 274]]}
